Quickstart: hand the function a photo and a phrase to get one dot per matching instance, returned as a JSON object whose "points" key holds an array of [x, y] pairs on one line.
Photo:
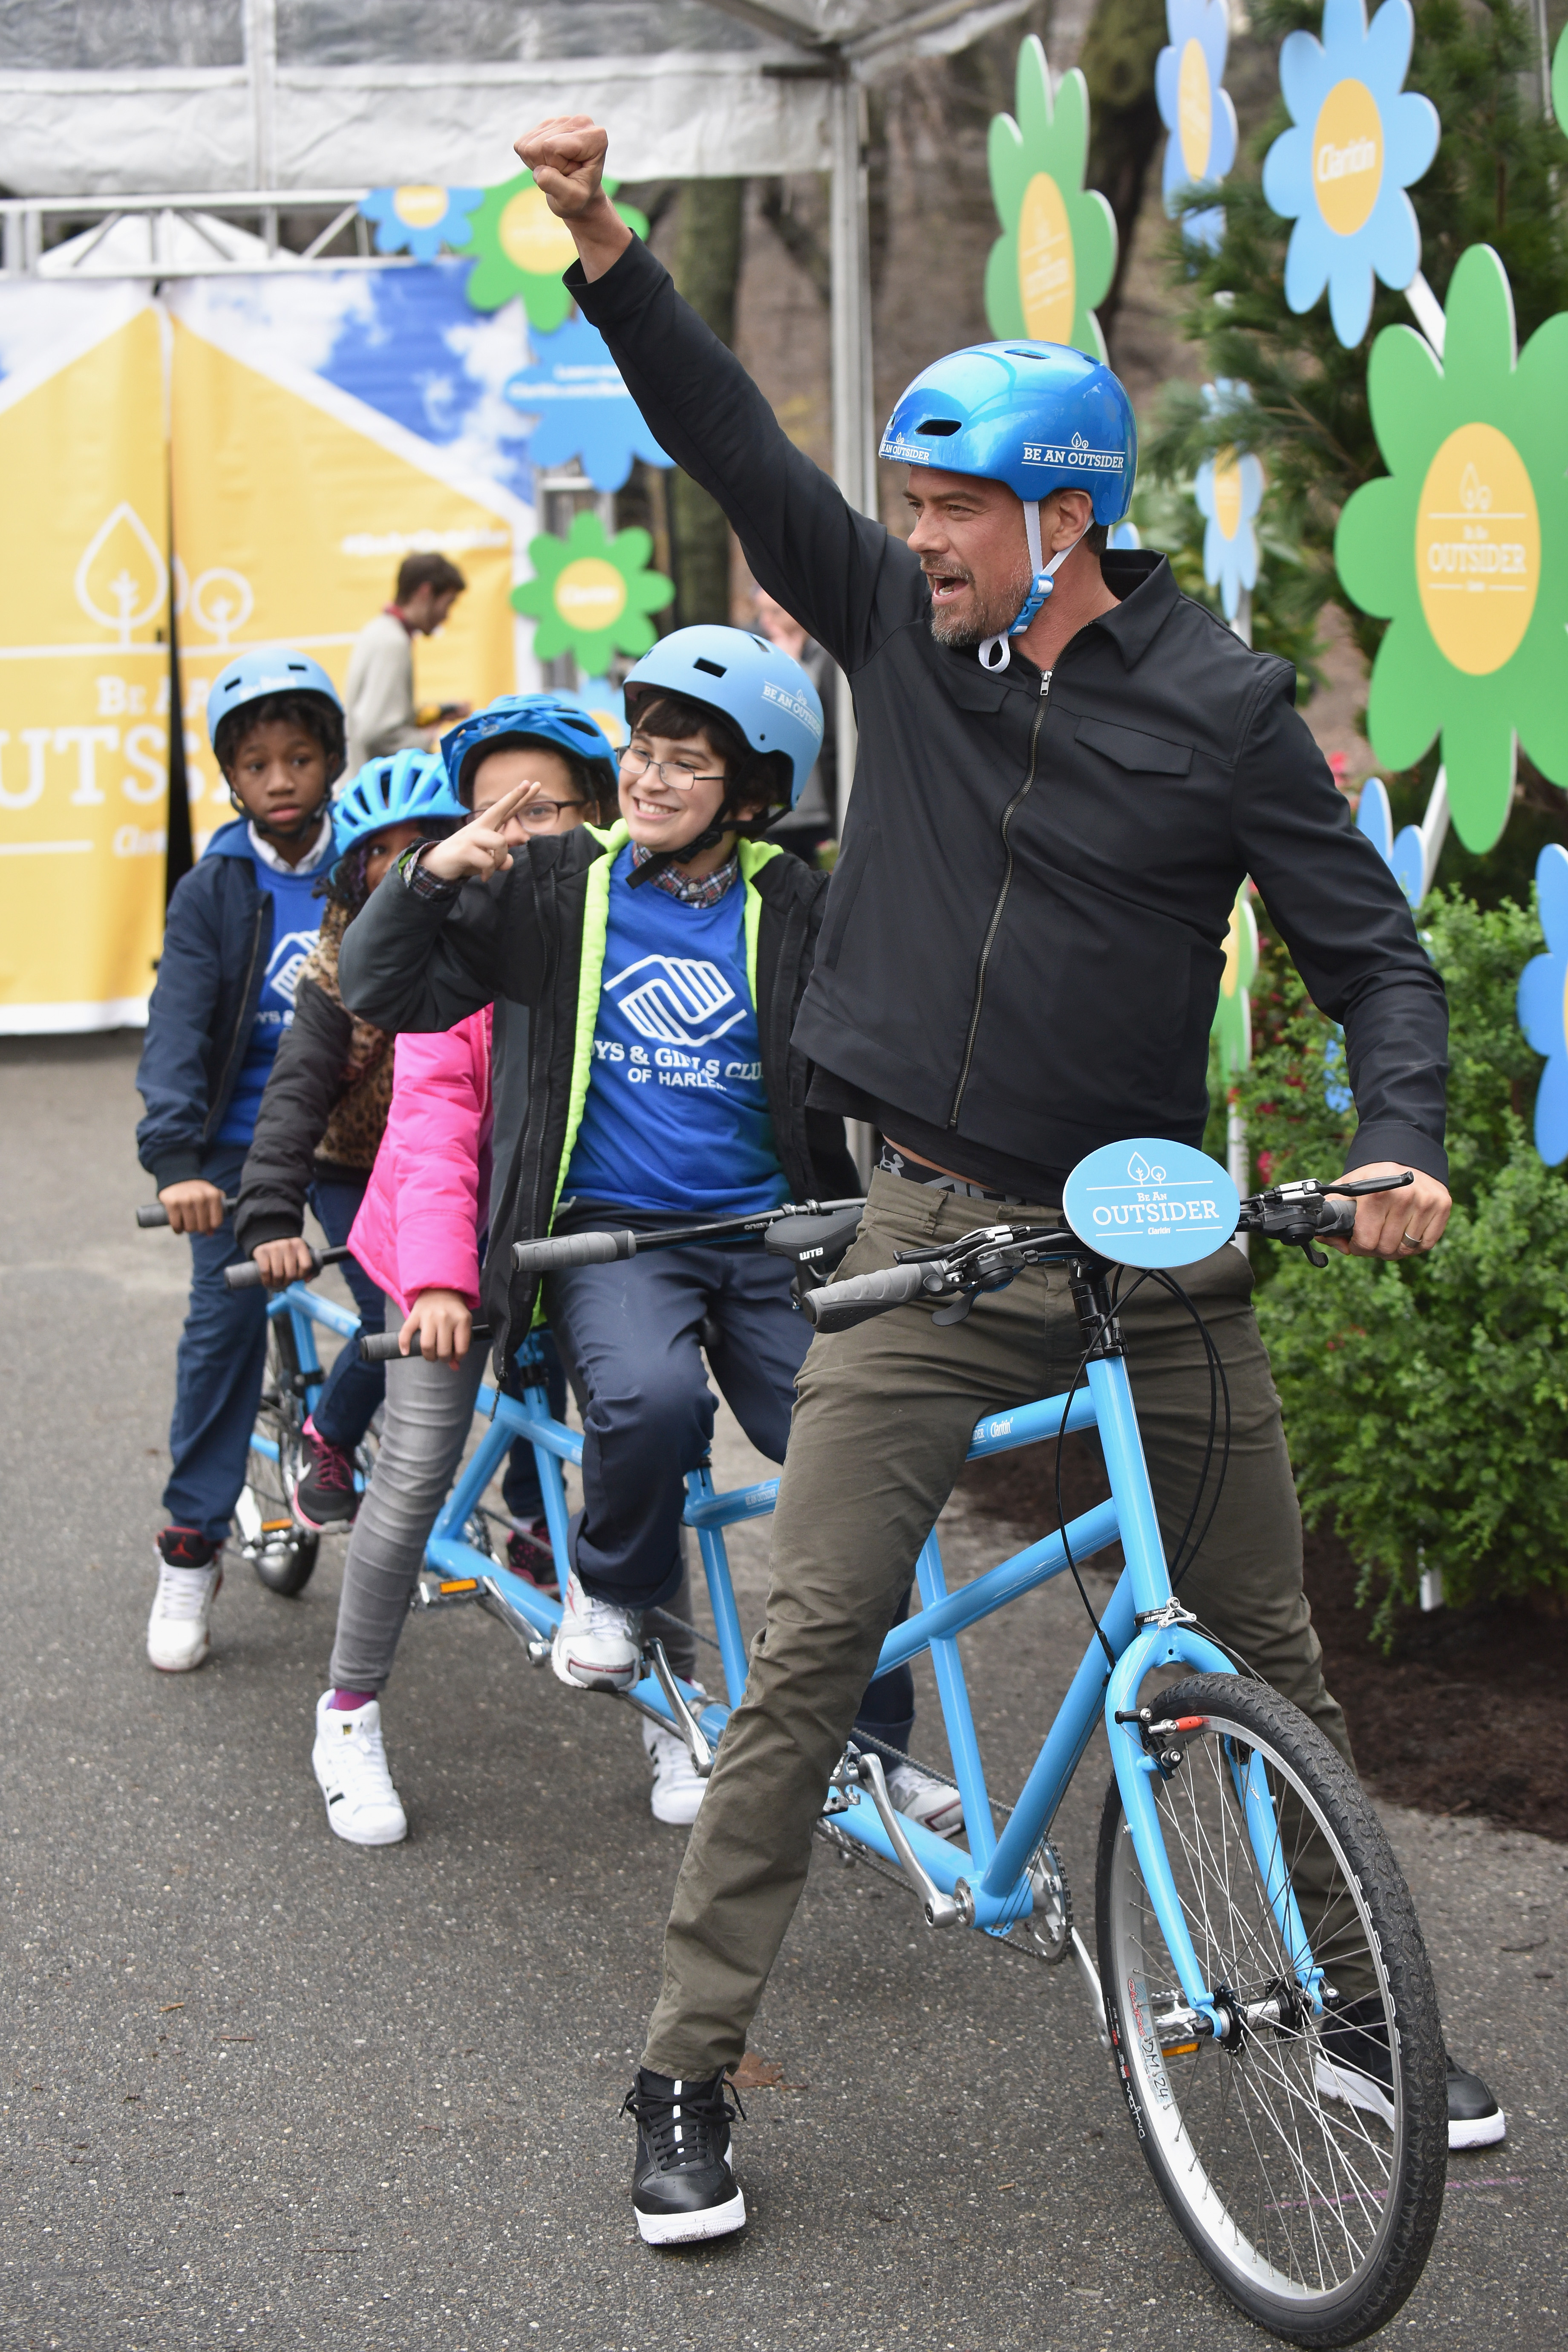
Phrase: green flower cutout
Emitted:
{"points": [[1232, 1026], [1463, 548], [591, 594], [1057, 254], [523, 248]]}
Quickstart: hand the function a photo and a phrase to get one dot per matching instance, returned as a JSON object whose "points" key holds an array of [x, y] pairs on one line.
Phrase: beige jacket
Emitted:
{"points": [[379, 698]]}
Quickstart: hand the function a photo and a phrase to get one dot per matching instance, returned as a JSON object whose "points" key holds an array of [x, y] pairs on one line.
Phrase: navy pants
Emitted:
{"points": [[346, 1406], [628, 1336], [217, 1373]]}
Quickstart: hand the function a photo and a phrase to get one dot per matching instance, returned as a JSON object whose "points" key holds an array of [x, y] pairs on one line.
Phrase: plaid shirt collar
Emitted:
{"points": [[706, 893]]}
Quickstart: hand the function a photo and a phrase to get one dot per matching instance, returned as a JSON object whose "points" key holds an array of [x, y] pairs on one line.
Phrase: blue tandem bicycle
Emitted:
{"points": [[1258, 1954]]}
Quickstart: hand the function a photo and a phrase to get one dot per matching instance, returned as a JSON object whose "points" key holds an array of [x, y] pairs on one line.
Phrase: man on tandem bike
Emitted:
{"points": [[1066, 768]]}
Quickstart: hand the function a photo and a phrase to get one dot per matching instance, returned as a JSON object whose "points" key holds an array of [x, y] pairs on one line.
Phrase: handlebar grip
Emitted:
{"points": [[382, 1347], [1337, 1220], [839, 1306], [573, 1249], [248, 1276]]}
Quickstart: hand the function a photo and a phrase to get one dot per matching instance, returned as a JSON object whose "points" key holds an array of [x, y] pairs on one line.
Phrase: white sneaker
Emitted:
{"points": [[179, 1631], [597, 1646], [349, 1761], [676, 1787], [930, 1802]]}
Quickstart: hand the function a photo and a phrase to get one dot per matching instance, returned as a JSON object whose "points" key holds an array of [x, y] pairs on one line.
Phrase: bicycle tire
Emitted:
{"points": [[1314, 2216], [282, 1553]]}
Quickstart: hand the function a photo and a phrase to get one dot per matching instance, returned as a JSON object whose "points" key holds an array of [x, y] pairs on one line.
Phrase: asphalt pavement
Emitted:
{"points": [[266, 2090]]}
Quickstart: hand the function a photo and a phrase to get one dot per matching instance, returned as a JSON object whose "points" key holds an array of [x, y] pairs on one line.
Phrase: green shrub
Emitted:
{"points": [[1426, 1403]]}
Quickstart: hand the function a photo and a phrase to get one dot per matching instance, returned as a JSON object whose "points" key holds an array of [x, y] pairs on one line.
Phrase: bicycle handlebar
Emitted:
{"points": [[152, 1213], [382, 1347], [573, 1249], [248, 1275], [839, 1306]]}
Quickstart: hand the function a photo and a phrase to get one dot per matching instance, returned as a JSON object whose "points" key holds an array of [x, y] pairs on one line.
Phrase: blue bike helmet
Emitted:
{"points": [[274, 669], [1038, 416], [760, 688], [553, 718], [403, 788]]}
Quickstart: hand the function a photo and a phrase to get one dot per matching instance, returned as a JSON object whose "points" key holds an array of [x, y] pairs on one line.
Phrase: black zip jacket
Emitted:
{"points": [[1024, 938], [216, 940], [304, 1082], [412, 964]]}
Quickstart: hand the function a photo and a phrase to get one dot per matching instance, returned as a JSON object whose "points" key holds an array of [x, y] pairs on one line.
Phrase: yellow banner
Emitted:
{"points": [[84, 656], [294, 503]]}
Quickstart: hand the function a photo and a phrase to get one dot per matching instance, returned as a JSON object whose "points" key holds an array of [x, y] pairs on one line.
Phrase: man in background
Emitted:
{"points": [[815, 816], [382, 714]]}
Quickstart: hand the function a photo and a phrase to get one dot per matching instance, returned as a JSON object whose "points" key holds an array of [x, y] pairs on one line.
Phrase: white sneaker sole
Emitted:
{"points": [[577, 1675], [1358, 2090], [688, 2229]]}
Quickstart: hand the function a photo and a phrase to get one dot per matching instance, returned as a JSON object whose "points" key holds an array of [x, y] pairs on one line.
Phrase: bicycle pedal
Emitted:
{"points": [[431, 1591]]}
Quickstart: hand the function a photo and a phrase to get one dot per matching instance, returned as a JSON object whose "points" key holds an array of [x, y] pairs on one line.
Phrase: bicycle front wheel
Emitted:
{"points": [[282, 1553], [1314, 2209]]}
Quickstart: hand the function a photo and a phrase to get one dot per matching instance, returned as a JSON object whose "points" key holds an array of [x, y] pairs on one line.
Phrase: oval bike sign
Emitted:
{"points": [[1150, 1202]]}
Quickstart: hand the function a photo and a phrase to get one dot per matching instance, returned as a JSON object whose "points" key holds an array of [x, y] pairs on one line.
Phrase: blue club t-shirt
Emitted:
{"points": [[676, 1121], [296, 920]]}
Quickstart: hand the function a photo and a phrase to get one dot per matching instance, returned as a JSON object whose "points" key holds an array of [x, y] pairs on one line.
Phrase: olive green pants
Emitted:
{"points": [[882, 1422]]}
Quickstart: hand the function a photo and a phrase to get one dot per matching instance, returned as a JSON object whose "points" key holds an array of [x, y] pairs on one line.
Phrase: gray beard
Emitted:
{"points": [[995, 616]]}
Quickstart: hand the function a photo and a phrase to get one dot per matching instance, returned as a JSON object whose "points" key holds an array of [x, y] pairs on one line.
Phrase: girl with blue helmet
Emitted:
{"points": [[320, 1119]]}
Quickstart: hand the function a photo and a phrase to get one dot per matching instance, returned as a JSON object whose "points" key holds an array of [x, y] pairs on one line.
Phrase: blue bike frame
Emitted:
{"points": [[1141, 1623], [304, 1309]]}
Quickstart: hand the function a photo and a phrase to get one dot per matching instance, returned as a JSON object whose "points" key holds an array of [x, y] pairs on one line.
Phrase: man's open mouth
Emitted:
{"points": [[946, 585]]}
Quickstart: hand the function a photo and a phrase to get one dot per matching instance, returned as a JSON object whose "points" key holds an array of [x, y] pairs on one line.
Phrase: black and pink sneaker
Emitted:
{"points": [[326, 1496], [528, 1555]]}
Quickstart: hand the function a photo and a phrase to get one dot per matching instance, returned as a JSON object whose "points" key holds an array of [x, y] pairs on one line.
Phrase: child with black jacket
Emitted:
{"points": [[240, 927]]}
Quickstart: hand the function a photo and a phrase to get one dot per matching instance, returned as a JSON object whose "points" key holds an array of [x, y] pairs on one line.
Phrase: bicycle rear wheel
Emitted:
{"points": [[279, 1549], [1313, 2214]]}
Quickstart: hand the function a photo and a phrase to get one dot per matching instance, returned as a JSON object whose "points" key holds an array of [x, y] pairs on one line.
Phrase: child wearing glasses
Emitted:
{"points": [[660, 963]]}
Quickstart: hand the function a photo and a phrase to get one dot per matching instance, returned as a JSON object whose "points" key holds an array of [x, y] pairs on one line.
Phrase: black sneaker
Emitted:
{"points": [[683, 2186], [326, 1496], [1353, 2064]]}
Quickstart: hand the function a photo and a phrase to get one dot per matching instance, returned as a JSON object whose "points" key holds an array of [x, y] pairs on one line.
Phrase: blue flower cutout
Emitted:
{"points": [[1405, 854], [1195, 110], [1341, 174], [1228, 490], [1544, 1005], [585, 410], [420, 219]]}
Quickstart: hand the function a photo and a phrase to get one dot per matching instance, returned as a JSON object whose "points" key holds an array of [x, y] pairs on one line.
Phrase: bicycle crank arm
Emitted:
{"points": [[686, 1723], [941, 1910], [495, 1602]]}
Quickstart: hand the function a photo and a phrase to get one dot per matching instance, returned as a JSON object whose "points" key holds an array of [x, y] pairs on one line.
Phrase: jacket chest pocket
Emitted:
{"points": [[1132, 749]]}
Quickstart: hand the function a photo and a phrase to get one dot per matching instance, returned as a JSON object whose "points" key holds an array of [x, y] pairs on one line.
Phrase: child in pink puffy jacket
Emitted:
{"points": [[419, 1234]]}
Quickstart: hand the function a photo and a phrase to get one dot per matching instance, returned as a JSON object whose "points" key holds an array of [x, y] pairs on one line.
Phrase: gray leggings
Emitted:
{"points": [[429, 1413]]}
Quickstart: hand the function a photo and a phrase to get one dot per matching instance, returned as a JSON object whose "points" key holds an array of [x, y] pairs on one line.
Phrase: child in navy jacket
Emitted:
{"points": [[240, 927]]}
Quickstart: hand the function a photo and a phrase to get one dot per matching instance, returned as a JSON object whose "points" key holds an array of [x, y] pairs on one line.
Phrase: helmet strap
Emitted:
{"points": [[997, 653]]}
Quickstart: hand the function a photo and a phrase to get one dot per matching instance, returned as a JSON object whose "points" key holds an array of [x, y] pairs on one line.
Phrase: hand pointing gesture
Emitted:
{"points": [[479, 848]]}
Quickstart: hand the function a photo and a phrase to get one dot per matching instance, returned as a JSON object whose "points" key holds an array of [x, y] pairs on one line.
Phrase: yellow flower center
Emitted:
{"points": [[1228, 492], [1347, 156], [420, 207], [1195, 110], [590, 593], [1046, 278], [532, 238], [1478, 548]]}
